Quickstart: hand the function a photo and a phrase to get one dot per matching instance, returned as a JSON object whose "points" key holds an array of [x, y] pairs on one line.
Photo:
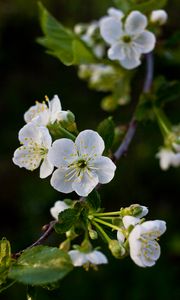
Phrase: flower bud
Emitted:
{"points": [[93, 234], [109, 103], [116, 249], [65, 246], [159, 16]]}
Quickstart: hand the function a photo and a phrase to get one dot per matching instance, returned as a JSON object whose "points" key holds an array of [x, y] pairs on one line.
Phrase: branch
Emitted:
{"points": [[133, 123], [48, 229]]}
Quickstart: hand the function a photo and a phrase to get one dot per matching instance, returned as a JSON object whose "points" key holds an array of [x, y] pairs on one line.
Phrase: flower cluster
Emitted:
{"points": [[80, 164], [135, 236]]}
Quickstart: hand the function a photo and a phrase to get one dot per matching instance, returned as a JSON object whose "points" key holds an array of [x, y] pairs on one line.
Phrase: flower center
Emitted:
{"points": [[126, 39], [81, 164]]}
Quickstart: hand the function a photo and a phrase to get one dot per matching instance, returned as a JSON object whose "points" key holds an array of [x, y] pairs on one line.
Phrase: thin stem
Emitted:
{"points": [[99, 228], [133, 123], [106, 224], [49, 228], [114, 213]]}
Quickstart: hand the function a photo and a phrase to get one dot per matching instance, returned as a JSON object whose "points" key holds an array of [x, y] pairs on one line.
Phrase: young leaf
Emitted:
{"points": [[106, 130], [67, 219], [41, 265], [62, 42], [94, 200]]}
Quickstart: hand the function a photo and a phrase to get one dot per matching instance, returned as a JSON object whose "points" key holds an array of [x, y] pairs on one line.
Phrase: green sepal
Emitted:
{"points": [[94, 200], [61, 42], [106, 130], [41, 265], [66, 220]]}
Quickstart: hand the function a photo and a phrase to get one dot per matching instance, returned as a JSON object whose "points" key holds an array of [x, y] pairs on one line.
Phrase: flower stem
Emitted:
{"points": [[100, 229], [106, 224], [113, 213]]}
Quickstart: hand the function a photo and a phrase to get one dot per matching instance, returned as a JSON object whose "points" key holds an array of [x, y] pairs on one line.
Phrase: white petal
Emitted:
{"points": [[120, 237], [62, 153], [26, 157], [96, 257], [143, 213], [46, 139], [116, 13], [30, 133], [110, 29], [166, 157], [104, 168], [54, 108], [132, 59], [46, 168], [145, 41], [58, 207], [59, 181], [153, 229], [78, 258], [62, 115], [83, 186], [129, 220], [37, 110], [89, 143], [135, 23], [116, 52]]}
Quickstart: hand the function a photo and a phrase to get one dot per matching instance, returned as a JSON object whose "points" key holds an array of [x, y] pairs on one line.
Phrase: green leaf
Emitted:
{"points": [[5, 259], [41, 265], [62, 42], [123, 5], [146, 6], [67, 219], [94, 200], [167, 92], [106, 130], [144, 110], [7, 284]]}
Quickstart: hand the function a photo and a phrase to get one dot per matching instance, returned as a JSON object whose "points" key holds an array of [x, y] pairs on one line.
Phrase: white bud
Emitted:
{"points": [[159, 16]]}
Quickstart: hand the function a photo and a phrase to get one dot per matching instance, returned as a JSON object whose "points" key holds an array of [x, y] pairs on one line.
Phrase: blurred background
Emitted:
{"points": [[27, 74]]}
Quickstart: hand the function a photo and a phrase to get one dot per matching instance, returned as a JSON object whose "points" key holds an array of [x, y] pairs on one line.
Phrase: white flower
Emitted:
{"points": [[36, 142], [168, 158], [144, 249], [129, 220], [159, 16], [89, 33], [45, 114], [81, 165], [128, 39], [58, 207], [143, 213], [81, 258]]}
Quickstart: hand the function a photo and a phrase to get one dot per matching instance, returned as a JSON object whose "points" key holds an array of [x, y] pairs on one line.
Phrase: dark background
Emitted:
{"points": [[27, 74]]}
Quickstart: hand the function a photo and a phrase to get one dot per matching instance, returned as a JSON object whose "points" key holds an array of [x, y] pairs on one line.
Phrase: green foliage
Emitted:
{"points": [[41, 265], [66, 220], [144, 110], [5, 260], [144, 6], [106, 130], [62, 42], [94, 200], [166, 91]]}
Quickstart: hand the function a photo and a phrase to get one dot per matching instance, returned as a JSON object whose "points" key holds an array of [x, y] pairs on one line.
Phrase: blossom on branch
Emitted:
{"points": [[36, 142], [80, 164], [80, 258], [46, 114], [144, 249], [128, 38], [168, 158]]}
